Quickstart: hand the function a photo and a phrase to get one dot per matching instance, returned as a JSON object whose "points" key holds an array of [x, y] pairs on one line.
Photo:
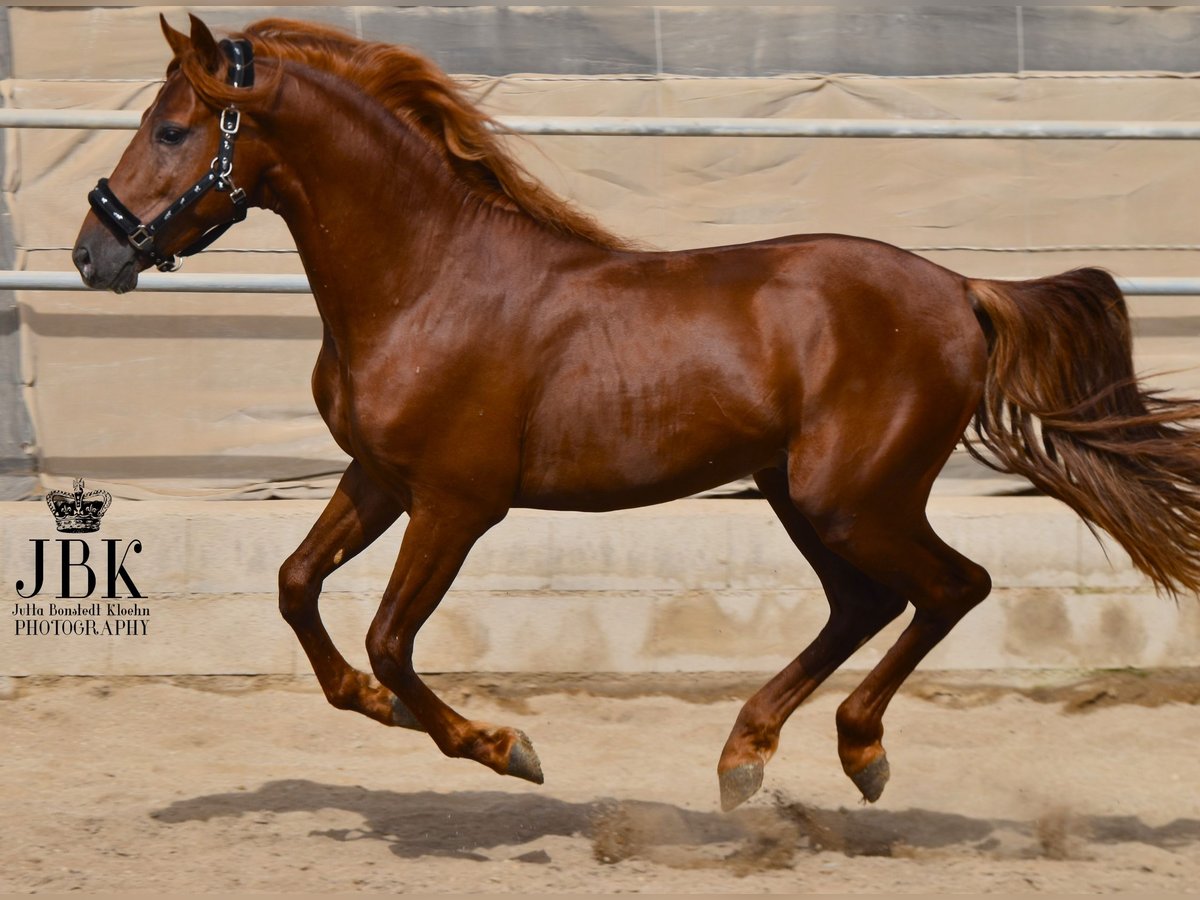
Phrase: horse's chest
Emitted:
{"points": [[367, 408], [331, 391]]}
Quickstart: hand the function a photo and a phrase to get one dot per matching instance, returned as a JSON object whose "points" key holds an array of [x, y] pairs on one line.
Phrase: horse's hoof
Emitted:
{"points": [[523, 762], [871, 778], [739, 784]]}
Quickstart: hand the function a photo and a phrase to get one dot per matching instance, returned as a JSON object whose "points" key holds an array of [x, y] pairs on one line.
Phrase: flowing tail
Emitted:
{"points": [[1063, 407]]}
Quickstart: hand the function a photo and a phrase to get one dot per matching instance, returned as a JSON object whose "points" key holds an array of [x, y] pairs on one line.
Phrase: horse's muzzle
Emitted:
{"points": [[104, 262]]}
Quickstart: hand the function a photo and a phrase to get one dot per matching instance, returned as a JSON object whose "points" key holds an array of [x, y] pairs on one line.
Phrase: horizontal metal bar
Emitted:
{"points": [[163, 281], [69, 118], [1163, 286], [851, 128], [630, 126]]}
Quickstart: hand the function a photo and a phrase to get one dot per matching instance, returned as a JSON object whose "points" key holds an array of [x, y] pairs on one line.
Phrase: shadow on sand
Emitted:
{"points": [[465, 824]]}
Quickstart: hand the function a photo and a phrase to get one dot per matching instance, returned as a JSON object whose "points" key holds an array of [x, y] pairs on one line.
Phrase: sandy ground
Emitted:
{"points": [[1035, 783]]}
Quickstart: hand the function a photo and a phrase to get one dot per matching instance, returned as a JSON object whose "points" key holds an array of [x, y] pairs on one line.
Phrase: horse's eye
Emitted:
{"points": [[170, 134]]}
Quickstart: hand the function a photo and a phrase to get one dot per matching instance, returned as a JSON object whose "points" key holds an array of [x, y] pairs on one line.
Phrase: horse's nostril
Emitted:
{"points": [[83, 262]]}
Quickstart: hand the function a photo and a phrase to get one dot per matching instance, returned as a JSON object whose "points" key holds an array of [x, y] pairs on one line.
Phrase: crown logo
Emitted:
{"points": [[78, 511]]}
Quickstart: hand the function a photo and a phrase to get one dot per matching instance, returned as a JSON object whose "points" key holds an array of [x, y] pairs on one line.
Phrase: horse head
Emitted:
{"points": [[176, 188]]}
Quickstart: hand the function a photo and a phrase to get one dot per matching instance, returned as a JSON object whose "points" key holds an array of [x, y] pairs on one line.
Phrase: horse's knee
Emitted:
{"points": [[388, 655], [299, 585]]}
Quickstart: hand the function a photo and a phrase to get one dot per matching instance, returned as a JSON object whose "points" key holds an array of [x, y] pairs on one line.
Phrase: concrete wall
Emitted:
{"points": [[693, 585]]}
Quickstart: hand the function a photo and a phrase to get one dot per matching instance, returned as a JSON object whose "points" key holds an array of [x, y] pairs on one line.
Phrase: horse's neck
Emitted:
{"points": [[371, 208]]}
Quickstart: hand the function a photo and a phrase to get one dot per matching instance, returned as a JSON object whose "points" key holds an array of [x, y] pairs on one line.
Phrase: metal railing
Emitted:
{"points": [[668, 126], [298, 284]]}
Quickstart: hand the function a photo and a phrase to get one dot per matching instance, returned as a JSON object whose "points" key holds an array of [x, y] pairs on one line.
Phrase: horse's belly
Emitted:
{"points": [[585, 471]]}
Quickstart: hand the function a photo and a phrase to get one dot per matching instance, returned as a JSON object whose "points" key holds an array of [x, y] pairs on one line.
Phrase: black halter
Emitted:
{"points": [[142, 235]]}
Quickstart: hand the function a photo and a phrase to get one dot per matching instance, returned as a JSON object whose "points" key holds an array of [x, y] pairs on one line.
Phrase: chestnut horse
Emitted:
{"points": [[486, 346]]}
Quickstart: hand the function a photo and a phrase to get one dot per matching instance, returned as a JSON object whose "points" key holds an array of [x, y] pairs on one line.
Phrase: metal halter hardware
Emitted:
{"points": [[142, 235]]}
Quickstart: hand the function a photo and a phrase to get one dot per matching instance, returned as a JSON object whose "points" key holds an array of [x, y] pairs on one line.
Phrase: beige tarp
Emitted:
{"points": [[161, 394]]}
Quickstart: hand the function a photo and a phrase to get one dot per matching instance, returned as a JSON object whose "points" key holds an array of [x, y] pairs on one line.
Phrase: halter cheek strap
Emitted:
{"points": [[142, 235]]}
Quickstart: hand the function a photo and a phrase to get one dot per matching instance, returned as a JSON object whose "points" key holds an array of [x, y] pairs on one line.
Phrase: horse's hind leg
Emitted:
{"points": [[862, 478], [943, 586], [874, 518], [356, 515], [858, 608]]}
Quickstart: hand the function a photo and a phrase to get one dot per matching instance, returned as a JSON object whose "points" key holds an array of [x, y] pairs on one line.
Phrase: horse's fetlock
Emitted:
{"points": [[345, 693], [854, 727]]}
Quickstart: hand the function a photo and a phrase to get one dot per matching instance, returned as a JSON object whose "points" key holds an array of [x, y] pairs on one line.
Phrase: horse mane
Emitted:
{"points": [[417, 92]]}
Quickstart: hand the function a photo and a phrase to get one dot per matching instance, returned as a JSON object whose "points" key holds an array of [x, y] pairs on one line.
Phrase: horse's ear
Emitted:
{"points": [[205, 45], [177, 39]]}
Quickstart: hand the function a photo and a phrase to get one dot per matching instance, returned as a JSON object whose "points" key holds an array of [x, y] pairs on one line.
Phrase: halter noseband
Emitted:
{"points": [[141, 236]]}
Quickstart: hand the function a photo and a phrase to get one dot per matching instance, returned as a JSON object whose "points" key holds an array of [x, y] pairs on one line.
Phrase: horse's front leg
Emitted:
{"points": [[358, 513], [436, 542]]}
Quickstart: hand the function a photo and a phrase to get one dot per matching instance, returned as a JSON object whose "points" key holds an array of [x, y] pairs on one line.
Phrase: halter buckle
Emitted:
{"points": [[231, 120], [141, 239]]}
